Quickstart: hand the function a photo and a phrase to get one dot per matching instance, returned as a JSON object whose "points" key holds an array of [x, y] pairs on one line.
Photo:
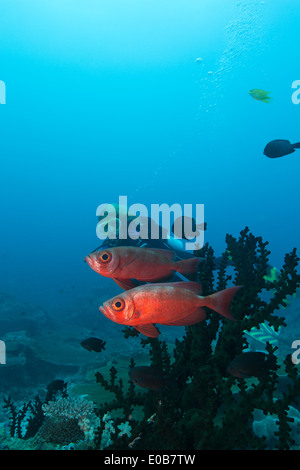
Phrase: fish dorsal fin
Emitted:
{"points": [[195, 317], [97, 249], [170, 255], [125, 284], [148, 330], [195, 287]]}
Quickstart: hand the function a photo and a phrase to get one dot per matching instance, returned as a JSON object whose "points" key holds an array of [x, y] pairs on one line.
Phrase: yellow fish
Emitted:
{"points": [[260, 95]]}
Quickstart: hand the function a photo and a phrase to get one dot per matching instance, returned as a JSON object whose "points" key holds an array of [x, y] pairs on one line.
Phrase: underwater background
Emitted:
{"points": [[146, 99]]}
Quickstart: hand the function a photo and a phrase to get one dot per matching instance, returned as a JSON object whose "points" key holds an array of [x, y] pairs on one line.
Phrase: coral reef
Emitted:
{"points": [[63, 420], [69, 409], [267, 425], [61, 431], [55, 387], [204, 407], [25, 422], [200, 405]]}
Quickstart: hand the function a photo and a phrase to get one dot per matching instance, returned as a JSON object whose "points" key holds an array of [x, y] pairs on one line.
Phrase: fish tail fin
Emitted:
{"points": [[187, 266], [296, 146], [220, 301]]}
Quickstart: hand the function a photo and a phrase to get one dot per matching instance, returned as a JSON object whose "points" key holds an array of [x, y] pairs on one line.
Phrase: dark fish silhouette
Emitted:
{"points": [[93, 344], [147, 377], [54, 387], [280, 148], [252, 364]]}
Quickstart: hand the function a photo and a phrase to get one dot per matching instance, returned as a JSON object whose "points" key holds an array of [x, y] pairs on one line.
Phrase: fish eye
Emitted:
{"points": [[105, 257], [118, 305]]}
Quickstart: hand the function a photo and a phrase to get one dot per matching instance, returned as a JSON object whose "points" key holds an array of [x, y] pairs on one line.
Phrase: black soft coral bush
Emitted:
{"points": [[205, 407]]}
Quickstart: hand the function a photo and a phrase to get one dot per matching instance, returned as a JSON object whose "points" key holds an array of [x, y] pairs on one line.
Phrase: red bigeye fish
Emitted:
{"points": [[143, 264], [177, 303]]}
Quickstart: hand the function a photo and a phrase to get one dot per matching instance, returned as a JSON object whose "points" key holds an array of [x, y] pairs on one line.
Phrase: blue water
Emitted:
{"points": [[105, 99]]}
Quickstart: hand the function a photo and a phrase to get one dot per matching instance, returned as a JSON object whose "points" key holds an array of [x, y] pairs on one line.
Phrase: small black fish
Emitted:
{"points": [[252, 364], [93, 344], [280, 148]]}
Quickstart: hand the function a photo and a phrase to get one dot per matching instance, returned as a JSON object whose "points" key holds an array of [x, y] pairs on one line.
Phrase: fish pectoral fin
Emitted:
{"points": [[125, 284], [195, 317], [148, 330]]}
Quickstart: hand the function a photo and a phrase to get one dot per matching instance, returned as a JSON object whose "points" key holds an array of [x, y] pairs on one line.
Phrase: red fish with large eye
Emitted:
{"points": [[177, 303], [143, 264]]}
